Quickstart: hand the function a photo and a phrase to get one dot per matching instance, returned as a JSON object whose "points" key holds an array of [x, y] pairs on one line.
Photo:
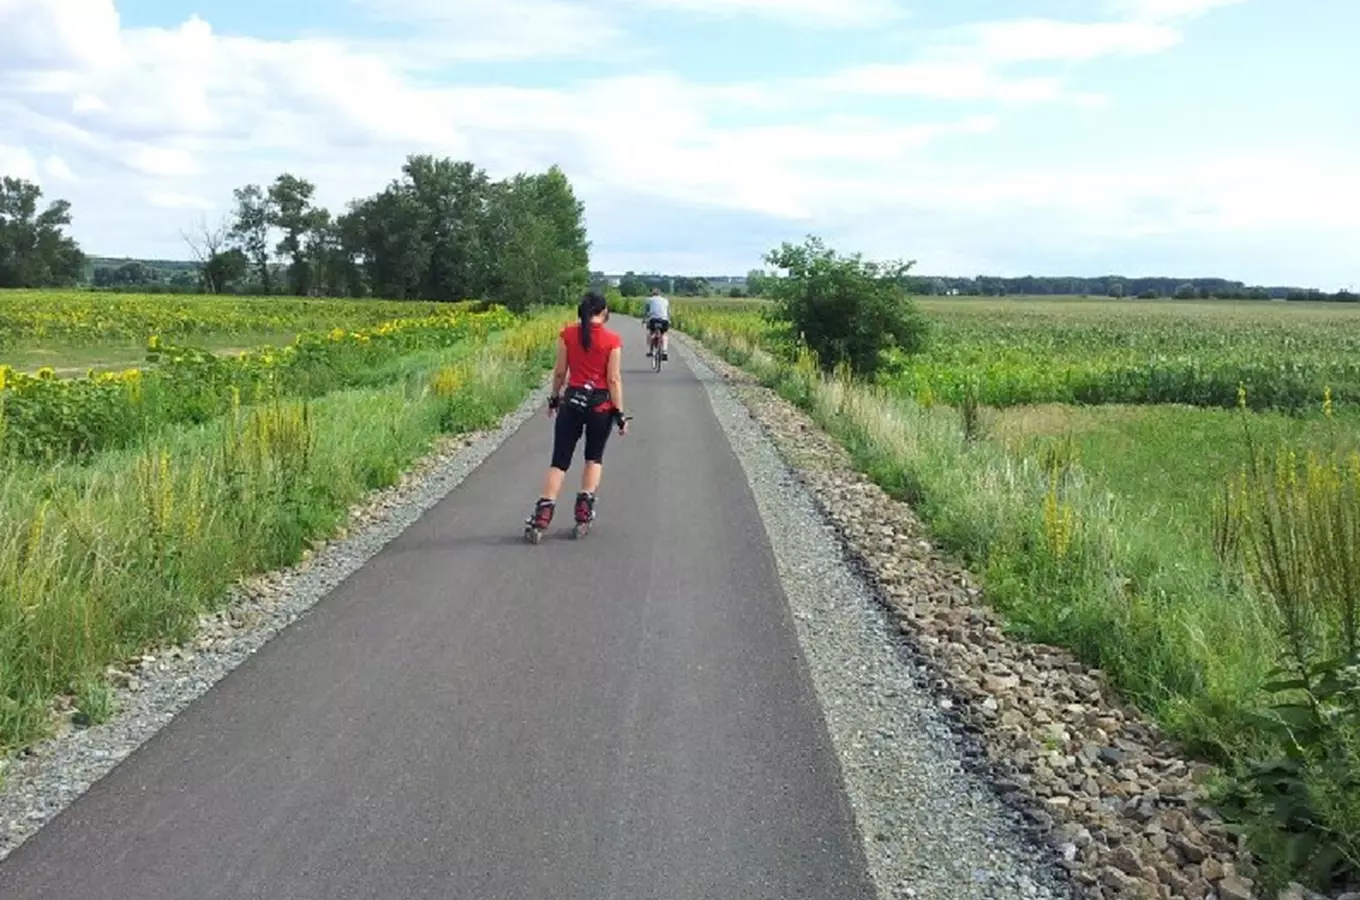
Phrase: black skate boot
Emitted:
{"points": [[536, 524], [585, 514]]}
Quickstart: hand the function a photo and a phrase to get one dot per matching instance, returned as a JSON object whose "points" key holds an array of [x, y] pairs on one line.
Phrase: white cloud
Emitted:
{"points": [[1036, 39], [859, 140], [1162, 10], [55, 35], [941, 80], [177, 200], [496, 30], [162, 123], [1203, 193], [161, 161], [17, 162], [57, 168], [842, 13], [502, 30], [88, 103], [969, 62]]}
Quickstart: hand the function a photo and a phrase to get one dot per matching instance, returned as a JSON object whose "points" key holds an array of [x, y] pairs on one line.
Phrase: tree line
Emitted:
{"points": [[443, 231], [759, 283], [1116, 286], [631, 284]]}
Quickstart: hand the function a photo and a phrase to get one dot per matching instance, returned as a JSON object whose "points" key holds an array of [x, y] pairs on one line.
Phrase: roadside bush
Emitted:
{"points": [[848, 311]]}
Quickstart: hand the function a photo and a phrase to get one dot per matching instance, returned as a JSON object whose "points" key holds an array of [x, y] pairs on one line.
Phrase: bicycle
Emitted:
{"points": [[654, 345]]}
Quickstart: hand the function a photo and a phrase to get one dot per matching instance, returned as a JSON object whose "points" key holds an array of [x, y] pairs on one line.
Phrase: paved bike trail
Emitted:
{"points": [[470, 716]]}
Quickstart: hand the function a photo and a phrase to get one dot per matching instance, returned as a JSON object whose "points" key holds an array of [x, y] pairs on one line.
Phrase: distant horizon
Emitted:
{"points": [[93, 258]]}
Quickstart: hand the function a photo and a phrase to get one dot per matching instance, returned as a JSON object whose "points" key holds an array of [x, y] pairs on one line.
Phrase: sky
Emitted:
{"points": [[1004, 137]]}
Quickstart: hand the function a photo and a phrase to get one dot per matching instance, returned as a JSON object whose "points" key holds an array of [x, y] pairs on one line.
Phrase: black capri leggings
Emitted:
{"points": [[570, 423]]}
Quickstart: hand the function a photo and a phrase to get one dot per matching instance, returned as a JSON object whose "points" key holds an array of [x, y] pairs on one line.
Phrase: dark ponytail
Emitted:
{"points": [[592, 304]]}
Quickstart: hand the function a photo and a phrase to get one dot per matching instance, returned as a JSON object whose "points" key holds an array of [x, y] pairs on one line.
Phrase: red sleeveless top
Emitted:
{"points": [[590, 366]]}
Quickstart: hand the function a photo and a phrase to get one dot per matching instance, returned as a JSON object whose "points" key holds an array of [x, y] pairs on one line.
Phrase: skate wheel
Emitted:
{"points": [[580, 529], [533, 535]]}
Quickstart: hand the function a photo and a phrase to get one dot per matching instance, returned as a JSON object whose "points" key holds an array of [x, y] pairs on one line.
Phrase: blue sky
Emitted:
{"points": [[1086, 137]]}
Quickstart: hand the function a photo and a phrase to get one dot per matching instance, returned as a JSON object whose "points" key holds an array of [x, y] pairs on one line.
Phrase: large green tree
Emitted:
{"points": [[543, 253], [34, 252], [289, 209], [444, 230], [250, 230], [385, 234], [453, 198]]}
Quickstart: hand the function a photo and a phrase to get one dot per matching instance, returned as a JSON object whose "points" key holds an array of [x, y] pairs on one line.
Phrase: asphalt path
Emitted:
{"points": [[471, 716]]}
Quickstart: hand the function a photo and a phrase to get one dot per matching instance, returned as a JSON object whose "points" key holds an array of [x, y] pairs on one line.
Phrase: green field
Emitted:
{"points": [[85, 318], [1099, 352], [73, 331], [1168, 460], [1022, 356], [1101, 477]]}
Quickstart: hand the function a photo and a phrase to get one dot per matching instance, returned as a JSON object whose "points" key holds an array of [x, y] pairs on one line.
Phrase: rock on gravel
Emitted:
{"points": [[929, 828], [1120, 807], [149, 690]]}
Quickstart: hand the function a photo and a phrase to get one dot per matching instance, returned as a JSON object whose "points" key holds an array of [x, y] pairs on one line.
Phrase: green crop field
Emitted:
{"points": [[1145, 393], [1098, 352], [1131, 385], [71, 331]]}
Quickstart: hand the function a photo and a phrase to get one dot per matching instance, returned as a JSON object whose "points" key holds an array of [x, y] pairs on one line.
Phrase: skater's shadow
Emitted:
{"points": [[445, 544]]}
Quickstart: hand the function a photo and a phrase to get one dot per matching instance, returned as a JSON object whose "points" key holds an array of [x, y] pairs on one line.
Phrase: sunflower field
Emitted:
{"points": [[44, 418], [83, 317]]}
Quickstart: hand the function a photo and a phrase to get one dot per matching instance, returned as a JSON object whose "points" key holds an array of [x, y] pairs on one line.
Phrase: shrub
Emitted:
{"points": [[845, 309]]}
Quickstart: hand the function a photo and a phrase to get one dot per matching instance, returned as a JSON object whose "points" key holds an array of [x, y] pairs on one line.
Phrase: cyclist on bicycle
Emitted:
{"points": [[657, 318]]}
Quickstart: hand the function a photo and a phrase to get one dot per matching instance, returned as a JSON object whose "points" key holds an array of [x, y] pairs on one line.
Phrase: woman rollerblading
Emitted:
{"points": [[588, 366]]}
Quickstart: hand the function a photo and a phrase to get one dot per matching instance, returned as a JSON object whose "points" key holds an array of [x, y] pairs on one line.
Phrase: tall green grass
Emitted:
{"points": [[1067, 562], [100, 561]]}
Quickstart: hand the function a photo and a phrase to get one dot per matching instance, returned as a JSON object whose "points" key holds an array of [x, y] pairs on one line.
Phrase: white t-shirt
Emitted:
{"points": [[658, 307]]}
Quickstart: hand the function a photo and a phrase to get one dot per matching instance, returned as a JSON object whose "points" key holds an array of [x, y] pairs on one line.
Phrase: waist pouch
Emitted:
{"points": [[585, 399]]}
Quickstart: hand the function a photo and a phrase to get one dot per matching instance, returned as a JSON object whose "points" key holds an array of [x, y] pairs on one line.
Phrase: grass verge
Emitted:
{"points": [[102, 560]]}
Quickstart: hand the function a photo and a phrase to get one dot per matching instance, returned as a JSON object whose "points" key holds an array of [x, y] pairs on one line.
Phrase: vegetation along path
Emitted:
{"points": [[699, 700]]}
